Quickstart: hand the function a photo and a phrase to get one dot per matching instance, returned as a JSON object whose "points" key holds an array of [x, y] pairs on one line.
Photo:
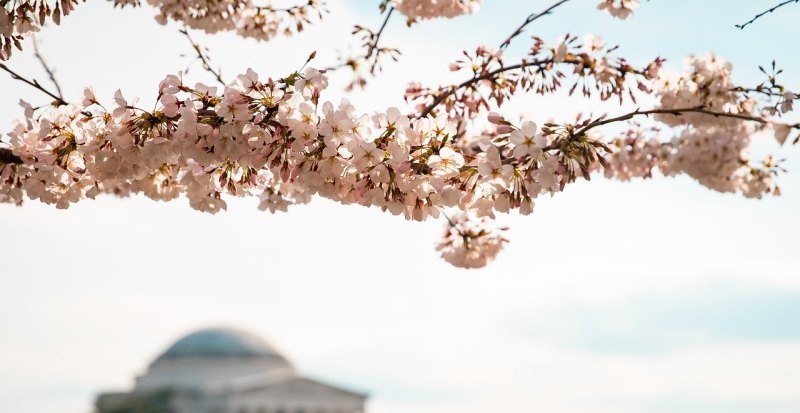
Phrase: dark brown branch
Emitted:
{"points": [[8, 157], [205, 60], [373, 47], [453, 89], [372, 50], [58, 101], [528, 21], [50, 72], [765, 12], [290, 10], [675, 111]]}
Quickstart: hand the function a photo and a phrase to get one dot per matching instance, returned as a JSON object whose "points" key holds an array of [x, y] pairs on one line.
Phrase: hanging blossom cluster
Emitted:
{"points": [[711, 149], [621, 9], [471, 242], [244, 17], [249, 19], [430, 9], [20, 18]]}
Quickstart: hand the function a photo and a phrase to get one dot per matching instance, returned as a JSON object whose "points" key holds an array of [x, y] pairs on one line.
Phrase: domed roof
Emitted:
{"points": [[220, 342]]}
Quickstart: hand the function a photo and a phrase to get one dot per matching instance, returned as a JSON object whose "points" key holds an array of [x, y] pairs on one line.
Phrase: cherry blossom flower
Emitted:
{"points": [[446, 164], [527, 142], [471, 242], [429, 9], [621, 9]]}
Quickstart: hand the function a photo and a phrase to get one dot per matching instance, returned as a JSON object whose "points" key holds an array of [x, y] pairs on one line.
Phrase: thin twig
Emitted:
{"points": [[453, 89], [50, 72], [373, 47], [674, 111], [58, 101], [372, 52], [528, 21], [291, 9], [765, 12], [206, 61]]}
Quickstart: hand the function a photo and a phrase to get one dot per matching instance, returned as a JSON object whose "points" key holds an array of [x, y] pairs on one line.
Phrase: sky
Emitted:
{"points": [[655, 296]]}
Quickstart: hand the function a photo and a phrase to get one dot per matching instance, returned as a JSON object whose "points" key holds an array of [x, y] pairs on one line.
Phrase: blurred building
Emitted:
{"points": [[227, 371]]}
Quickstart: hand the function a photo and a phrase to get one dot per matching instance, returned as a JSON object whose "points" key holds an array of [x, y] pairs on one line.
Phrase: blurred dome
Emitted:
{"points": [[216, 358], [220, 342]]}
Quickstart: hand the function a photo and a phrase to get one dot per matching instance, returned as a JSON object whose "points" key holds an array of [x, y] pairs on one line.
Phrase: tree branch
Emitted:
{"points": [[453, 89], [528, 21], [206, 61], [58, 101], [50, 72], [765, 12], [675, 111], [8, 157], [372, 50]]}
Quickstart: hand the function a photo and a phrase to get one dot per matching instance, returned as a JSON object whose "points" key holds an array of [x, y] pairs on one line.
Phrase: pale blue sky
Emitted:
{"points": [[679, 300]]}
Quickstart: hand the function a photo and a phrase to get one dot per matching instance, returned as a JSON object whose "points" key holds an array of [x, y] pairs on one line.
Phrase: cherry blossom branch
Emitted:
{"points": [[533, 17], [491, 75], [765, 12], [530, 19], [467, 83], [205, 60], [50, 72], [278, 140]]}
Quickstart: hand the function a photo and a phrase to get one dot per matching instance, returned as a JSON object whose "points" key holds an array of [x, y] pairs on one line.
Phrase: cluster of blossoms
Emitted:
{"points": [[21, 18], [246, 18], [278, 141], [621, 9], [711, 149], [430, 9], [542, 71], [471, 242], [276, 136]]}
